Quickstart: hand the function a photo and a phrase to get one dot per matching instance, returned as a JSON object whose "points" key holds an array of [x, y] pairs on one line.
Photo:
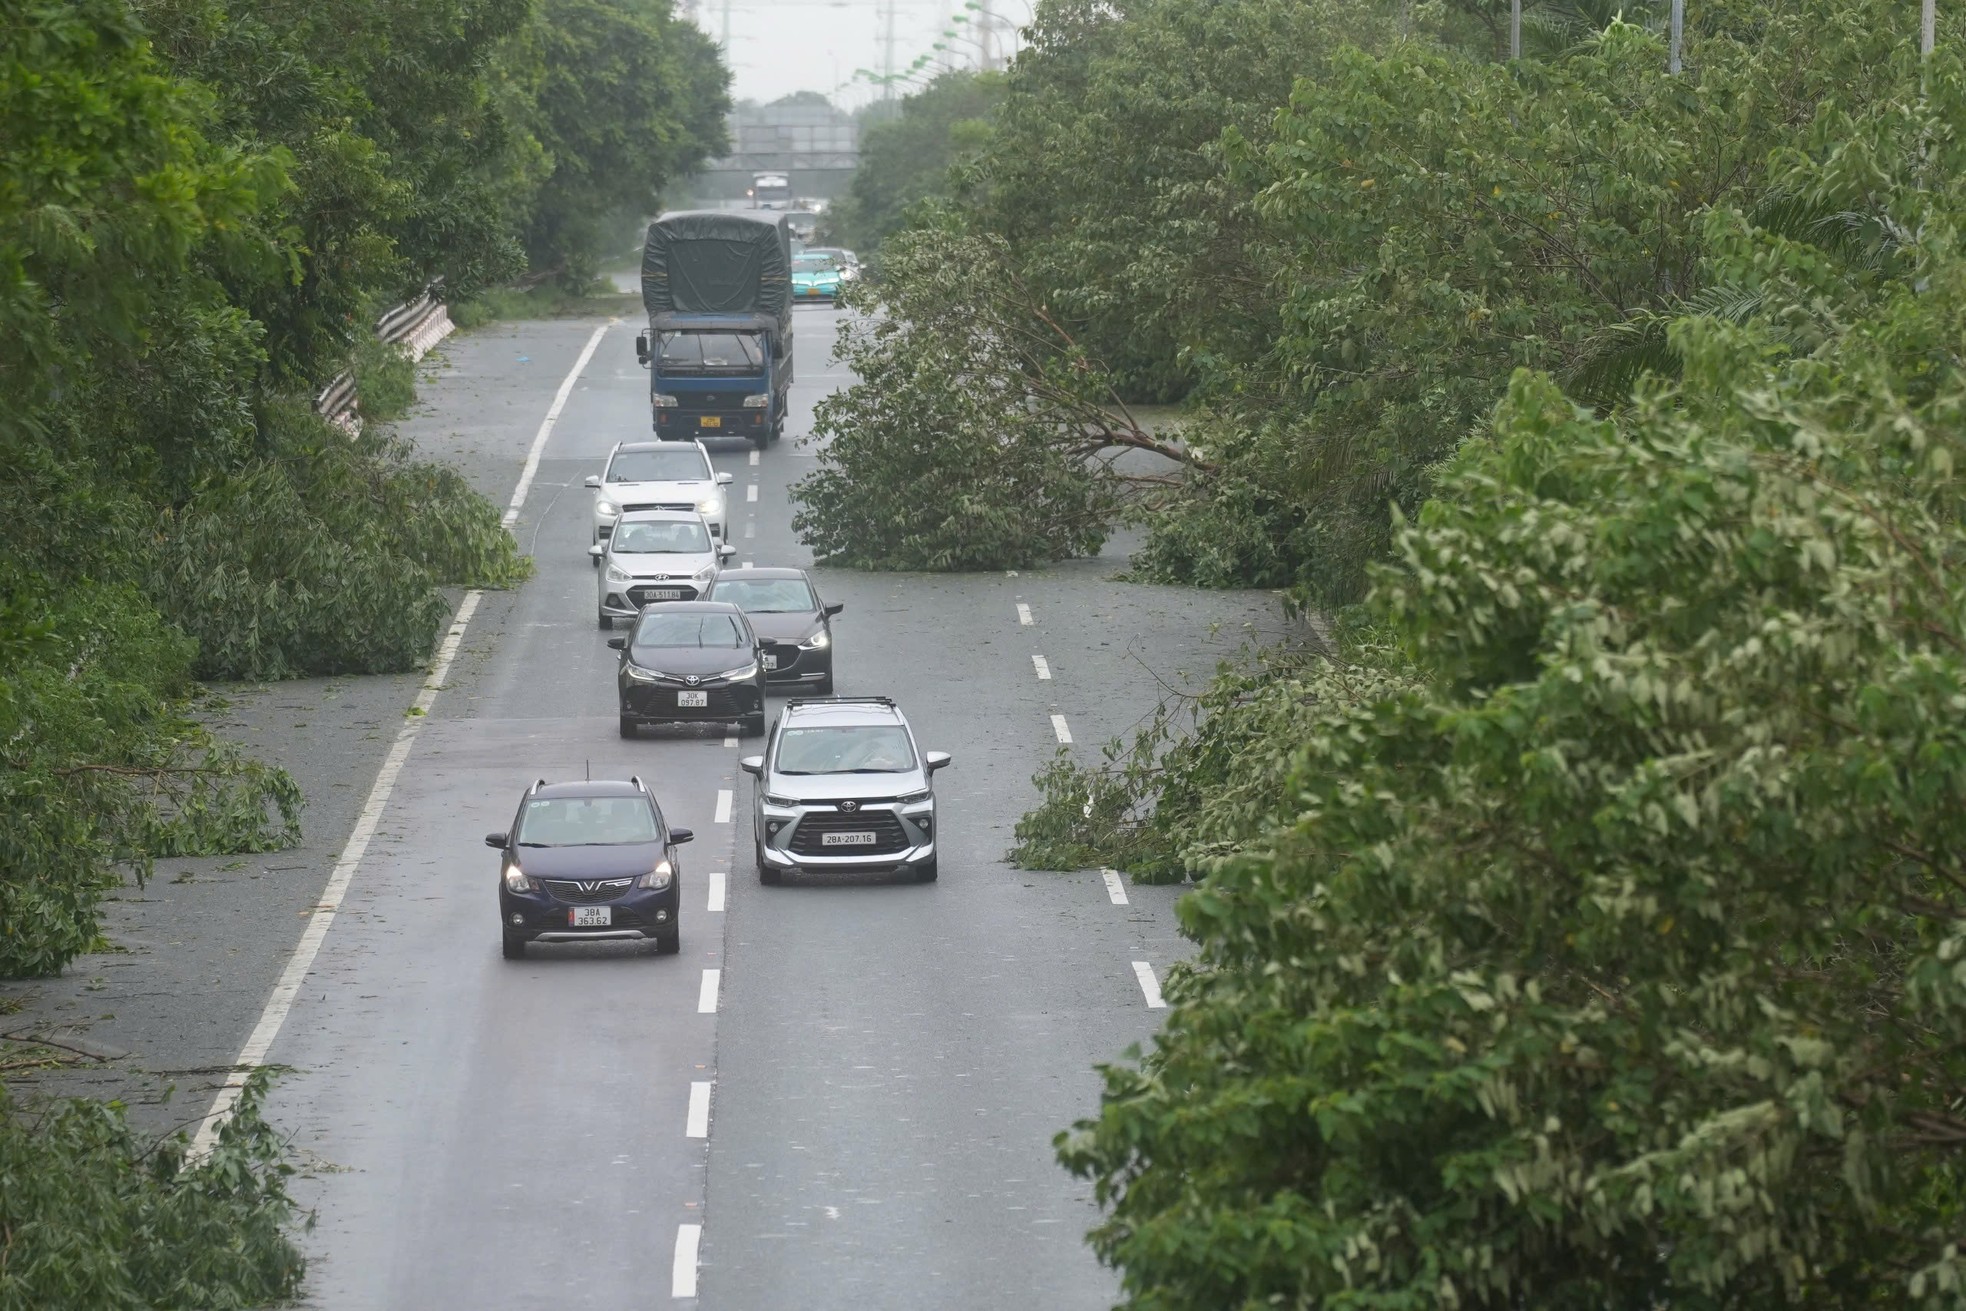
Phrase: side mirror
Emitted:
{"points": [[678, 836], [498, 841], [642, 349], [597, 550], [593, 480], [836, 607], [935, 760], [725, 551], [617, 644], [725, 479], [753, 765]]}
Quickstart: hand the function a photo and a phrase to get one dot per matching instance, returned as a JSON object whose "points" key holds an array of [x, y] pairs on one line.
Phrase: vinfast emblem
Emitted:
{"points": [[588, 886], [849, 806]]}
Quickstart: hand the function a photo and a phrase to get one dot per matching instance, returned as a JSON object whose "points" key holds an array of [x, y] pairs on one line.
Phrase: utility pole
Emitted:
{"points": [[1515, 29], [986, 30], [887, 51], [726, 31], [1679, 36], [1928, 27]]}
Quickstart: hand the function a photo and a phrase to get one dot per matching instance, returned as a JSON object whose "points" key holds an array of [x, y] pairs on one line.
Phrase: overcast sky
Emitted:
{"points": [[781, 46]]}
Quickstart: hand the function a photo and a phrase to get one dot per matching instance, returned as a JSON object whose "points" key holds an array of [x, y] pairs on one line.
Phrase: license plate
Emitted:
{"points": [[847, 839], [664, 594], [687, 699], [710, 421], [589, 917], [771, 662]]}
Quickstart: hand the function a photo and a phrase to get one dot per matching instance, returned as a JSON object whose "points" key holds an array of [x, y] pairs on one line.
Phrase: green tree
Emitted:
{"points": [[906, 158]]}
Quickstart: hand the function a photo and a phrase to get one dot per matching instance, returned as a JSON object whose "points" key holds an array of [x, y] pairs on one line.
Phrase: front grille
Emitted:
{"points": [[695, 401], [593, 895], [808, 839], [660, 505], [645, 594], [787, 654]]}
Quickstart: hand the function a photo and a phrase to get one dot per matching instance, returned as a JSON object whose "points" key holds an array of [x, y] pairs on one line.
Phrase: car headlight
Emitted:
{"points": [[757, 402], [710, 505], [616, 574], [744, 671], [911, 798], [706, 573], [605, 508], [817, 642], [641, 675], [782, 802], [658, 878], [662, 402], [516, 880]]}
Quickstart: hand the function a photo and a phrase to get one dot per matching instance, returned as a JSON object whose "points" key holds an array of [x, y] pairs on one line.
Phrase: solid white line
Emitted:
{"points": [[754, 459], [706, 997], [751, 492], [1064, 732], [546, 427], [1149, 985], [274, 1014], [716, 892], [682, 1279], [1024, 614], [1044, 669], [1114, 888], [697, 1123], [723, 806]]}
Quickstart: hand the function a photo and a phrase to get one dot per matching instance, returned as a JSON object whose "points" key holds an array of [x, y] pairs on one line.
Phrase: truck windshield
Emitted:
{"points": [[711, 353]]}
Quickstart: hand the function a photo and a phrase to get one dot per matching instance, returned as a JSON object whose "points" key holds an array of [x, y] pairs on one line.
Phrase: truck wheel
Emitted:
{"points": [[760, 440]]}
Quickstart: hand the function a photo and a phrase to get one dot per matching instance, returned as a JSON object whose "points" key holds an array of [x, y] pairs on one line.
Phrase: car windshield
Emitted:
{"points": [[839, 749], [683, 465], [586, 822], [765, 596], [689, 630], [708, 352], [669, 536], [808, 262]]}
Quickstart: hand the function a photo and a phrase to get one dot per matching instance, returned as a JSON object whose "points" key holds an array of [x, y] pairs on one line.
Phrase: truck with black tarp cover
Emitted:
{"points": [[718, 289]]}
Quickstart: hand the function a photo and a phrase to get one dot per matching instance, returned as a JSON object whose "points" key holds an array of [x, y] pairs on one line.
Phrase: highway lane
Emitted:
{"points": [[887, 1063]]}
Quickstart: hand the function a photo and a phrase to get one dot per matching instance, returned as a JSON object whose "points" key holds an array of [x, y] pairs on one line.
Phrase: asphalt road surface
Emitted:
{"points": [[838, 1095]]}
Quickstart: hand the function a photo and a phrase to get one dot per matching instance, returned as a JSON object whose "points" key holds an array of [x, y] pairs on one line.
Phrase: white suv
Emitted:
{"points": [[659, 476], [842, 786]]}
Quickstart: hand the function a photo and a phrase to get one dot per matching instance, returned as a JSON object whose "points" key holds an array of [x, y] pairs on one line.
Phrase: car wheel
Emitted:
{"points": [[766, 874], [669, 942], [604, 621], [926, 873], [515, 948], [753, 725], [824, 687], [629, 728]]}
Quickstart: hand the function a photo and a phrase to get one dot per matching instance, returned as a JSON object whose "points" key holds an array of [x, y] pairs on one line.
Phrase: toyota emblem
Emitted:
{"points": [[692, 680], [849, 806]]}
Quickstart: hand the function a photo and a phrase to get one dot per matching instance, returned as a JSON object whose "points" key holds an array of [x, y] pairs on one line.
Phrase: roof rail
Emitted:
{"points": [[840, 700]]}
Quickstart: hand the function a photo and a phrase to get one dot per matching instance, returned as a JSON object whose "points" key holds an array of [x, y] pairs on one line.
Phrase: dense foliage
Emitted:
{"points": [[95, 1217], [906, 158], [202, 204], [1602, 945]]}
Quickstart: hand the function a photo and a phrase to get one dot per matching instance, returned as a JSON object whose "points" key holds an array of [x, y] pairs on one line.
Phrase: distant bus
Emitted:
{"points": [[771, 191]]}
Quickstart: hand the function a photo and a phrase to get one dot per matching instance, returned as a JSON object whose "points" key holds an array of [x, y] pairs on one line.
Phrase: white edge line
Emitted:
{"points": [[706, 996], [723, 806], [546, 427], [1062, 729], [1149, 985], [682, 1278], [274, 1014], [1114, 888], [716, 900], [696, 1124]]}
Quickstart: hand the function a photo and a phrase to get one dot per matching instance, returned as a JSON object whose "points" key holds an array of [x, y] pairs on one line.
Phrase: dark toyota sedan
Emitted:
{"points": [[794, 628], [690, 662], [589, 860]]}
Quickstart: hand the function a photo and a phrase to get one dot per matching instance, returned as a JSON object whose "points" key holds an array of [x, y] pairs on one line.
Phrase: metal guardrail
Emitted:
{"points": [[416, 327]]}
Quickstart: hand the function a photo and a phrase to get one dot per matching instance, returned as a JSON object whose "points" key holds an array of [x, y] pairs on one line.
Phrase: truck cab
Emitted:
{"points": [[713, 379]]}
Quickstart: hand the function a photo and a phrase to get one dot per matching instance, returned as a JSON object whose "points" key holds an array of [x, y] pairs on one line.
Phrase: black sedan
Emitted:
{"points": [[589, 860], [793, 626], [690, 662]]}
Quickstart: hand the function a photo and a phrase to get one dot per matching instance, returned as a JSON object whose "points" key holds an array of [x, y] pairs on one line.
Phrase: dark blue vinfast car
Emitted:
{"points": [[589, 860]]}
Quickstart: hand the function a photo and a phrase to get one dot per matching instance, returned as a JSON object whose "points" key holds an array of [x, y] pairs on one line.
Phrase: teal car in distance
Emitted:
{"points": [[818, 272]]}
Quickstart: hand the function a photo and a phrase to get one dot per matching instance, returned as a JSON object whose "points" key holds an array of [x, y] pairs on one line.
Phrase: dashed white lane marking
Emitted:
{"points": [[716, 904], [750, 529], [1149, 985], [697, 1123], [682, 1279], [1039, 663], [723, 806], [274, 1014], [1024, 614], [751, 492], [730, 741], [743, 564], [1114, 888], [754, 459], [706, 996], [1059, 726], [546, 427]]}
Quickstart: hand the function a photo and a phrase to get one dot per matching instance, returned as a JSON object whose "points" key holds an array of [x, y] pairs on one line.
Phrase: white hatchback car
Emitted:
{"points": [[655, 555], [659, 476]]}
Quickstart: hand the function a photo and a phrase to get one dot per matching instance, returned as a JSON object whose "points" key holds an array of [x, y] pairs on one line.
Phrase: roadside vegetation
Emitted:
{"points": [[1578, 915]]}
